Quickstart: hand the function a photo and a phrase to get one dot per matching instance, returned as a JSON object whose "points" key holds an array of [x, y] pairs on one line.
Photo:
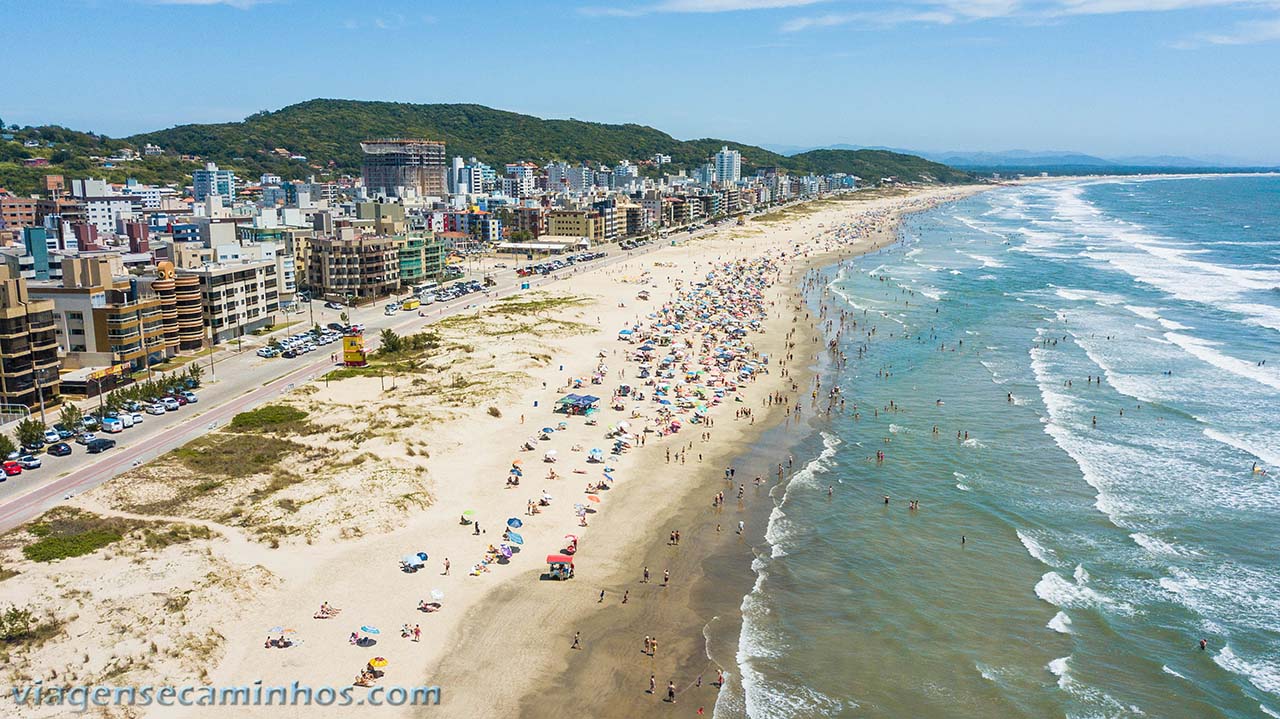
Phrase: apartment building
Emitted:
{"points": [[237, 297], [576, 223], [103, 316], [353, 267], [28, 345]]}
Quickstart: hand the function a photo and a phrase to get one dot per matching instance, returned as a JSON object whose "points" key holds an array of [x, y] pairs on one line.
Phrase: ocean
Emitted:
{"points": [[1078, 379]]}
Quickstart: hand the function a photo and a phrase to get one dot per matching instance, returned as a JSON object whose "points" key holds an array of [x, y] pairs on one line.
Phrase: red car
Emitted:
{"points": [[12, 468]]}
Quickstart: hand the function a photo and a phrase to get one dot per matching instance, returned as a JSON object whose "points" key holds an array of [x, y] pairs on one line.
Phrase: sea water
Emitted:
{"points": [[1108, 524]]}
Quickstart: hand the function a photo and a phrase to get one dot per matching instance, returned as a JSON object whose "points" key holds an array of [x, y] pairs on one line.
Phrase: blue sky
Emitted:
{"points": [[1111, 77]]}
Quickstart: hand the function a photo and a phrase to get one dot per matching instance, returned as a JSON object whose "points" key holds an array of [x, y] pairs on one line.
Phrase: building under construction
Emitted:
{"points": [[393, 167]]}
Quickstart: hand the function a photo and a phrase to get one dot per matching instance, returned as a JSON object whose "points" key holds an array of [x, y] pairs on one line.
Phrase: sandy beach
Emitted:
{"points": [[244, 536]]}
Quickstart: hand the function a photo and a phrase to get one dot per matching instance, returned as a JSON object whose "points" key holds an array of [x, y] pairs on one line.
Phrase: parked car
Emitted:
{"points": [[266, 352], [63, 432], [334, 305], [52, 435], [136, 417], [85, 438], [289, 354], [133, 406], [170, 404], [189, 396], [29, 461], [126, 419], [89, 422], [100, 445], [112, 425], [155, 408], [11, 468], [34, 446], [61, 449]]}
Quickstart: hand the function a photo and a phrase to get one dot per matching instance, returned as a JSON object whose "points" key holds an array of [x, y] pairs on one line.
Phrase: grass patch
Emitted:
{"points": [[271, 417], [229, 455], [64, 532]]}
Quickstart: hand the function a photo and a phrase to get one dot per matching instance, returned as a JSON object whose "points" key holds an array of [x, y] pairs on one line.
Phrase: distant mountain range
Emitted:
{"points": [[1042, 159]]}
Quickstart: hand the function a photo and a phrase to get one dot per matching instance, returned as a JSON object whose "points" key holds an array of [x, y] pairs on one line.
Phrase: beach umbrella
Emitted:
{"points": [[469, 513], [437, 595], [411, 560], [514, 523], [593, 498], [422, 556], [504, 550], [369, 630], [517, 462], [378, 662], [514, 538], [547, 430]]}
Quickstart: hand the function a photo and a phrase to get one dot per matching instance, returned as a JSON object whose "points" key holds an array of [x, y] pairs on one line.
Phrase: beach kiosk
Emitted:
{"points": [[561, 566]]}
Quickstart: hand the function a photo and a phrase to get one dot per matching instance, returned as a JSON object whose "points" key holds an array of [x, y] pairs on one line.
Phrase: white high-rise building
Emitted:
{"points": [[728, 166]]}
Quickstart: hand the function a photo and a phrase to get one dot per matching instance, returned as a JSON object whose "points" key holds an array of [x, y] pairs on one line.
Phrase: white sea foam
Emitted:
{"points": [[1042, 553], [1165, 668], [1082, 577], [1059, 668], [1159, 547], [1268, 456], [1061, 623], [1204, 350], [1269, 712], [1062, 593], [1148, 313], [1263, 674], [897, 429]]}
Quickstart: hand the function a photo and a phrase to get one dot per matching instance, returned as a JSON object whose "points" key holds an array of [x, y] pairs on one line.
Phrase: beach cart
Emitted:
{"points": [[560, 566]]}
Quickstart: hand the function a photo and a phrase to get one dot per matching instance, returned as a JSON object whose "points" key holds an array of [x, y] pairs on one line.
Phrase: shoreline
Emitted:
{"points": [[364, 518], [710, 570]]}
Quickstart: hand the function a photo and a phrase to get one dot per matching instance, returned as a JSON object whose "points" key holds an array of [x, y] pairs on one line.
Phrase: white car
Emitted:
{"points": [[51, 436], [156, 408], [136, 417], [170, 404]]}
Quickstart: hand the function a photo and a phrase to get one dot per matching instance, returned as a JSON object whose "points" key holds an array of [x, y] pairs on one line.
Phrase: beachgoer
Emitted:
{"points": [[577, 640]]}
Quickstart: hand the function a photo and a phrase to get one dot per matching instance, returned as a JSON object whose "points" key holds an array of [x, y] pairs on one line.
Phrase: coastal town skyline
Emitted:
{"points": [[973, 76]]}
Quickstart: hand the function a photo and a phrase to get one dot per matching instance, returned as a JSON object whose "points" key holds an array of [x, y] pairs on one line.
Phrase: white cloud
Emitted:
{"points": [[727, 5], [241, 4], [946, 12], [1246, 33], [696, 6]]}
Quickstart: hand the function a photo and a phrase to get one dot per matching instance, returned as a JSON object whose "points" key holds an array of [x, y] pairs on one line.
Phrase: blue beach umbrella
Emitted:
{"points": [[514, 538], [370, 630], [514, 523]]}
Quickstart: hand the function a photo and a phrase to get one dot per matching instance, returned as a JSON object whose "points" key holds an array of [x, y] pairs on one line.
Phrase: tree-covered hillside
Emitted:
{"points": [[328, 132]]}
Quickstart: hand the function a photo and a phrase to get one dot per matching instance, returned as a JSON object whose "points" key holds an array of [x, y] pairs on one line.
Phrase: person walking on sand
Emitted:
{"points": [[625, 593], [446, 566], [601, 599], [666, 576], [577, 640], [653, 683], [671, 691], [647, 644], [646, 576], [417, 632]]}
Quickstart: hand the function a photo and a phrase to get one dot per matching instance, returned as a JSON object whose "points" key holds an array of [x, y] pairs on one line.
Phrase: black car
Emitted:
{"points": [[337, 327], [335, 305], [288, 354], [61, 449], [34, 446], [101, 444]]}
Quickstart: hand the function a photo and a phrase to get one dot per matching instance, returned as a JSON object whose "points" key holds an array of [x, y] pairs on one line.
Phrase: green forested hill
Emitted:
{"points": [[327, 132]]}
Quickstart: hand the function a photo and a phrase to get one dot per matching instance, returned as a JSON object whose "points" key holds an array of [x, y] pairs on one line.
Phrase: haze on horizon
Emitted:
{"points": [[1103, 77]]}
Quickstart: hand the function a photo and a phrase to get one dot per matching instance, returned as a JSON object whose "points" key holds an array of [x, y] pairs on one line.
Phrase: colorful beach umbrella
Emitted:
{"points": [[504, 550], [378, 662], [593, 498], [514, 523], [514, 538], [369, 630]]}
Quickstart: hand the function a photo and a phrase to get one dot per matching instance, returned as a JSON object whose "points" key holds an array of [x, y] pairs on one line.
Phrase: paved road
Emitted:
{"points": [[242, 381]]}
